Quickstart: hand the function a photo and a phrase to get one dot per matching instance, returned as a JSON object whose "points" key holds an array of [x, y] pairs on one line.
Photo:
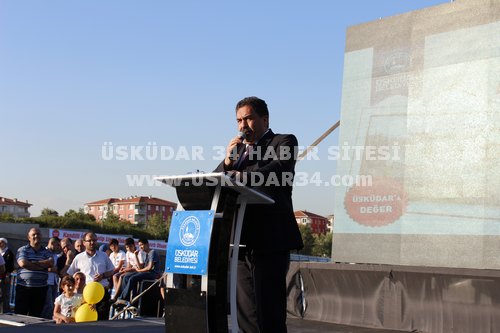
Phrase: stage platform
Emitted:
{"points": [[157, 325]]}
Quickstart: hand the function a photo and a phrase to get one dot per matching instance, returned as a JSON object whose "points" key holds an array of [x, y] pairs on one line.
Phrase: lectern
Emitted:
{"points": [[204, 237]]}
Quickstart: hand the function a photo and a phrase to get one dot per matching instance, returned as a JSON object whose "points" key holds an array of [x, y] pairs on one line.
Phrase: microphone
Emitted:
{"points": [[234, 154]]}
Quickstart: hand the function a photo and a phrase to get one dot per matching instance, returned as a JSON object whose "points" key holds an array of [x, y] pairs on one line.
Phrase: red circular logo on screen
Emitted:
{"points": [[380, 204]]}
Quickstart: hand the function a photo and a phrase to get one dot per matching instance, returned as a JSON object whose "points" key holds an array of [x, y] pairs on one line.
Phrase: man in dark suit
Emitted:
{"points": [[266, 162]]}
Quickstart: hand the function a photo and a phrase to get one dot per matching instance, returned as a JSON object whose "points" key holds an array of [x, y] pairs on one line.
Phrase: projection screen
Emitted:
{"points": [[420, 120]]}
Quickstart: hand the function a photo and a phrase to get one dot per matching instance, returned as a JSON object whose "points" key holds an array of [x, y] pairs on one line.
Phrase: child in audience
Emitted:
{"points": [[117, 256], [66, 304], [134, 260], [79, 282]]}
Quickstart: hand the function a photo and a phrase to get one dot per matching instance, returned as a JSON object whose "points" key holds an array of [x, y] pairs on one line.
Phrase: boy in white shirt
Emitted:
{"points": [[116, 256], [135, 261]]}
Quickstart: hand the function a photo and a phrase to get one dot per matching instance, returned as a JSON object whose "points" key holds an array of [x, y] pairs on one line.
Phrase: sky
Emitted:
{"points": [[90, 90]]}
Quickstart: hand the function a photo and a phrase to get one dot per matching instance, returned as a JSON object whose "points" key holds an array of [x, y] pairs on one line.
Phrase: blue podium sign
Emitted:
{"points": [[189, 242]]}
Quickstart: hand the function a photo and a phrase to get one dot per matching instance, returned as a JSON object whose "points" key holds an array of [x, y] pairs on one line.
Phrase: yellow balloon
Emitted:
{"points": [[93, 292], [85, 313]]}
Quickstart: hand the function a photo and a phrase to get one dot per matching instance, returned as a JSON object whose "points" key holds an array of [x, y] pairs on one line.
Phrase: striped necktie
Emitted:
{"points": [[243, 161]]}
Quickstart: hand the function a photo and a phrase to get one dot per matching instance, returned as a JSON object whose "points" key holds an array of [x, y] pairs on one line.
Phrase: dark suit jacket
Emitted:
{"points": [[9, 259], [271, 228]]}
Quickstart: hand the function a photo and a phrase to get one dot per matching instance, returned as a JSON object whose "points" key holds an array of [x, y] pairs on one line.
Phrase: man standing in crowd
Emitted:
{"points": [[269, 231], [96, 266], [34, 261], [9, 258], [68, 254], [79, 246], [54, 247]]}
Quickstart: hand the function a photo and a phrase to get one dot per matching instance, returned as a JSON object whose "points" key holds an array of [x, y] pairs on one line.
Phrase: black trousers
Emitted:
{"points": [[30, 300], [261, 292], [103, 306], [5, 282]]}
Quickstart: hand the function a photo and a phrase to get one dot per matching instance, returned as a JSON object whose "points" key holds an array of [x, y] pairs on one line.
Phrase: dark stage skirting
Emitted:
{"points": [[359, 298], [148, 325], [152, 325], [422, 299]]}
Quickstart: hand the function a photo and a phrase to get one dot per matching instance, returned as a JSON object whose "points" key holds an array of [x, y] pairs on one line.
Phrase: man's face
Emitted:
{"points": [[144, 246], [2, 245], [90, 242], [34, 237], [79, 246], [250, 123], [66, 246], [54, 246]]}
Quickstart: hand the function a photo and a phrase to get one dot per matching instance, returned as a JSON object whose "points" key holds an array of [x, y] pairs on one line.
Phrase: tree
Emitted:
{"points": [[111, 219], [79, 220], [307, 238], [72, 215], [49, 212], [157, 227], [323, 245]]}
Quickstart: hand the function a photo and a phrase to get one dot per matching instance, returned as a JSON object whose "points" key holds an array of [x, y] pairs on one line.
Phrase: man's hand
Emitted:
{"points": [[232, 151], [70, 255]]}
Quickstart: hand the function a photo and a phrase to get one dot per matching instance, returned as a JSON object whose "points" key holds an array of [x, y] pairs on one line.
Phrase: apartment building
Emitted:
{"points": [[14, 207], [318, 223], [135, 209]]}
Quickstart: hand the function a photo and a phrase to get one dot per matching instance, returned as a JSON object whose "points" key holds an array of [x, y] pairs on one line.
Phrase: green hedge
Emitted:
{"points": [[84, 221]]}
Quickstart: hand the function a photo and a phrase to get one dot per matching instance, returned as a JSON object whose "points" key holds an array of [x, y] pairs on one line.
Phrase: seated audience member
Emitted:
{"points": [[150, 271], [134, 261], [105, 248], [116, 256]]}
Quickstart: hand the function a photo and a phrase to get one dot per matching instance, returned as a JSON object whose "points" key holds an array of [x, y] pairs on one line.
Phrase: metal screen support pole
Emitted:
{"points": [[234, 266]]}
